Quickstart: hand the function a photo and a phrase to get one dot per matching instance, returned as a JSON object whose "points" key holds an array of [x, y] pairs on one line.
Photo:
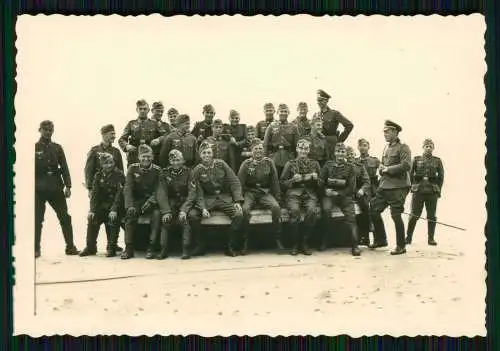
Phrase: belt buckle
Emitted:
{"points": [[217, 192], [50, 173], [257, 184], [281, 147], [142, 141], [426, 178]]}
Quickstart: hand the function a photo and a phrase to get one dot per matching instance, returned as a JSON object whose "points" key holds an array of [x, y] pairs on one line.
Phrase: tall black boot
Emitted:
{"points": [[153, 237], [67, 229], [112, 248], [91, 245], [379, 233], [163, 243], [186, 241], [129, 240], [324, 232], [412, 223], [354, 240], [294, 234], [431, 228], [307, 230], [200, 246], [244, 248], [400, 235]]}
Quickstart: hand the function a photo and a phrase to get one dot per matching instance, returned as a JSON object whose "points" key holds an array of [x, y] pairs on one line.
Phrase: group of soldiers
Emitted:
{"points": [[175, 175]]}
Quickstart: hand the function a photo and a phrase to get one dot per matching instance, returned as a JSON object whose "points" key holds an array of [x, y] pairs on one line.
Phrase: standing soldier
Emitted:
{"points": [[217, 188], [180, 139], [393, 188], [172, 114], [140, 131], [331, 120], [251, 135], [318, 147], [371, 165], [164, 129], [237, 136], [427, 177], [280, 140], [303, 124], [141, 184], [52, 185], [222, 148], [175, 201], [301, 180], [203, 129], [362, 196], [260, 182], [269, 118], [106, 205], [339, 179]]}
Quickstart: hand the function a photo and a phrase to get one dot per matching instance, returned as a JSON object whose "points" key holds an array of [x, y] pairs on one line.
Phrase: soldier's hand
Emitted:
{"points": [[130, 147], [383, 169], [329, 192], [205, 213], [131, 211], [232, 140], [314, 175], [90, 194], [182, 216], [67, 192], [113, 216], [307, 176], [238, 209], [361, 193], [90, 216], [297, 177], [155, 142], [167, 217]]}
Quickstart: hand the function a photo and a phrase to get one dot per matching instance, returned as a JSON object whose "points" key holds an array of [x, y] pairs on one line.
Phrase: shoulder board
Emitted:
{"points": [[134, 165], [156, 167], [265, 158]]}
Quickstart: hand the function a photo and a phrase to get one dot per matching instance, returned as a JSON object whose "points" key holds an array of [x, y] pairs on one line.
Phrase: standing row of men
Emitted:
{"points": [[234, 170]]}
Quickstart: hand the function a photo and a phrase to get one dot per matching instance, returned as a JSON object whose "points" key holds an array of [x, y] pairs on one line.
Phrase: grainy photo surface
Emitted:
{"points": [[250, 175]]}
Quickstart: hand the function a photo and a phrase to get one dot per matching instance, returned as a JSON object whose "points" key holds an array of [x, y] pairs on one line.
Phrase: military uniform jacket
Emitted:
{"points": [[262, 127], [260, 177], [141, 184], [164, 128], [92, 165], [107, 191], [238, 132], [303, 126], [280, 147], [139, 131], [362, 177], [186, 144], [427, 175], [331, 120], [216, 181], [223, 150], [371, 165], [174, 190], [340, 177], [245, 150], [318, 150], [397, 159], [202, 128], [51, 168], [301, 166]]}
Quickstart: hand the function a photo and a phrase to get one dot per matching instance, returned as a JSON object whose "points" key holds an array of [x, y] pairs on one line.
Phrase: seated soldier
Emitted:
{"points": [[141, 183], [175, 201], [251, 135], [106, 205], [301, 180], [339, 179], [237, 133], [260, 182], [362, 196], [217, 188], [221, 146]]}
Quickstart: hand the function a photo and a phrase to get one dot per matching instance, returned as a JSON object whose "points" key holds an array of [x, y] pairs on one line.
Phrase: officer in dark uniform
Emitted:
{"points": [[362, 196], [301, 179], [318, 146], [52, 185], [269, 112], [164, 129], [260, 182], [203, 129], [371, 164], [106, 205], [140, 131], [217, 188], [237, 133], [181, 140], [141, 184], [172, 114], [280, 140], [246, 151], [331, 120], [393, 188], [302, 122], [175, 201], [221, 146], [339, 180], [426, 177]]}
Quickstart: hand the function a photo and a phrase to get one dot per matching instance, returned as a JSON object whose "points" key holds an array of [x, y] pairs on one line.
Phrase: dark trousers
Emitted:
{"points": [[295, 204], [167, 227], [418, 202], [363, 219], [57, 201], [346, 205], [131, 224], [112, 230], [395, 199], [268, 202]]}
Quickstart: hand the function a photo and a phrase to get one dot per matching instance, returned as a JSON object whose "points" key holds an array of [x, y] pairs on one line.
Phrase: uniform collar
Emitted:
{"points": [[104, 146], [44, 141], [146, 169], [327, 108], [397, 141]]}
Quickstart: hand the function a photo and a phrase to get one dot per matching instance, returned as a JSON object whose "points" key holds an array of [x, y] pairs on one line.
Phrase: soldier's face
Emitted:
{"points": [[234, 119], [269, 112], [158, 113], [363, 148], [46, 132], [350, 155], [317, 126], [172, 117], [207, 154], [340, 155], [109, 137], [143, 111], [303, 110], [184, 127], [303, 150], [258, 151], [145, 160], [209, 115], [428, 149], [217, 130], [322, 103], [176, 162], [283, 115], [390, 134], [251, 135]]}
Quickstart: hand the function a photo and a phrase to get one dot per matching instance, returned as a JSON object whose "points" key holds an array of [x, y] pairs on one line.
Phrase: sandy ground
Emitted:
{"points": [[431, 290]]}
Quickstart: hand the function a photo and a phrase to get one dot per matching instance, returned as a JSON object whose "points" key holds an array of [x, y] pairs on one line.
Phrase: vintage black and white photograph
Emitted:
{"points": [[278, 175]]}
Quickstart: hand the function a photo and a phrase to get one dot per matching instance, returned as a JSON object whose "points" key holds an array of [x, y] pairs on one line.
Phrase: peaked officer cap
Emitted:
{"points": [[322, 95], [107, 128], [391, 124]]}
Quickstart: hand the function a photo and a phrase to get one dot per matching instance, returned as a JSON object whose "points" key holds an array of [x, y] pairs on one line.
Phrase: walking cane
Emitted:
{"points": [[430, 220]]}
